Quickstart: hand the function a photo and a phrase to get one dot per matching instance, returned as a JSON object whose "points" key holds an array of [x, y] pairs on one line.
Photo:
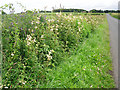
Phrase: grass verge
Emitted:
{"points": [[88, 67]]}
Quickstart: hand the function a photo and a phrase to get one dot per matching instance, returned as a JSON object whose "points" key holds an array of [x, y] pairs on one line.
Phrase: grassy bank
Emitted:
{"points": [[89, 67]]}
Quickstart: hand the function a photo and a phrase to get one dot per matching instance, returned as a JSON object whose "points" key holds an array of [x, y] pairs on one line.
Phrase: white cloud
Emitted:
{"points": [[84, 4]]}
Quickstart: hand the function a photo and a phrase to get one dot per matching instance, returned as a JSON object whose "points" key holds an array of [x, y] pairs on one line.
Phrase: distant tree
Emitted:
{"points": [[29, 11]]}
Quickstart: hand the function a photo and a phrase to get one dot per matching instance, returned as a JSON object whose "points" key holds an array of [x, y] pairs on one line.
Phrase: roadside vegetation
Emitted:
{"points": [[55, 50], [89, 66], [115, 15]]}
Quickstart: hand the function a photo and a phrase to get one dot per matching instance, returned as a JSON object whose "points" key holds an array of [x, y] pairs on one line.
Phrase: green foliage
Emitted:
{"points": [[3, 12], [35, 43], [88, 67]]}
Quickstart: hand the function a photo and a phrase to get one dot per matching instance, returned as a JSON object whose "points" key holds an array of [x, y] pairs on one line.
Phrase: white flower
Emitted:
{"points": [[12, 54], [0, 86], [32, 22], [51, 29], [49, 57], [29, 29], [79, 29], [79, 23], [28, 43], [34, 40], [37, 22], [32, 31], [50, 52], [29, 37], [38, 18], [6, 87], [49, 20], [74, 17], [23, 82], [35, 27], [42, 36]]}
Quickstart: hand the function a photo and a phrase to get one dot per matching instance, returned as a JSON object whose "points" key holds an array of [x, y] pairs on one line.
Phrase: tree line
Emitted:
{"points": [[82, 10], [72, 10]]}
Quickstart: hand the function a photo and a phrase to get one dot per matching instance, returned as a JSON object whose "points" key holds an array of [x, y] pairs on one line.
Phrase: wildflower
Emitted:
{"points": [[34, 40], [83, 68], [29, 29], [0, 86], [52, 50], [49, 57], [29, 37], [32, 31], [38, 18], [51, 29], [79, 29], [80, 17], [98, 68], [32, 22], [35, 27], [91, 86], [79, 23], [37, 22], [12, 23], [28, 43], [42, 36], [6, 87], [12, 54], [23, 82], [49, 20]]}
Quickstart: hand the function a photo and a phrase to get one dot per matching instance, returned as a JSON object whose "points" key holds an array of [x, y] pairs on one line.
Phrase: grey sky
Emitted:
{"points": [[79, 4]]}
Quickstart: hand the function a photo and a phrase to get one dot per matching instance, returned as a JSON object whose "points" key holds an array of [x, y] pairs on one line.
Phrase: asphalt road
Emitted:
{"points": [[113, 30]]}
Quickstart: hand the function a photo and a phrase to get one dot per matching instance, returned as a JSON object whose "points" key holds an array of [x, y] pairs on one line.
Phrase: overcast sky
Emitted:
{"points": [[78, 4]]}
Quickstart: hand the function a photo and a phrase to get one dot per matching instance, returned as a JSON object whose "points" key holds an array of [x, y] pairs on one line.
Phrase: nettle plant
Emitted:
{"points": [[33, 43]]}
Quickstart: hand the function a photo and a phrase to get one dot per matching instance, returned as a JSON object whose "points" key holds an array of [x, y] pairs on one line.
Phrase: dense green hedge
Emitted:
{"points": [[33, 43]]}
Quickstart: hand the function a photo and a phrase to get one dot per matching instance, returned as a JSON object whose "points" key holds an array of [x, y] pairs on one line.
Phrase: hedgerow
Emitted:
{"points": [[34, 43]]}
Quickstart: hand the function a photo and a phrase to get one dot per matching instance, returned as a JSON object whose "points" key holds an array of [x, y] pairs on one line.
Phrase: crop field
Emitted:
{"points": [[62, 50], [115, 15]]}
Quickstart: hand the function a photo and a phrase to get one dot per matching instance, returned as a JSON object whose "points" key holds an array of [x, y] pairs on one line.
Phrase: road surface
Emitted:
{"points": [[113, 30]]}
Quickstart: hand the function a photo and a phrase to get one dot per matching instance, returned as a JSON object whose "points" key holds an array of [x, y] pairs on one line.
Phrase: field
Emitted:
{"points": [[115, 15], [64, 50]]}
